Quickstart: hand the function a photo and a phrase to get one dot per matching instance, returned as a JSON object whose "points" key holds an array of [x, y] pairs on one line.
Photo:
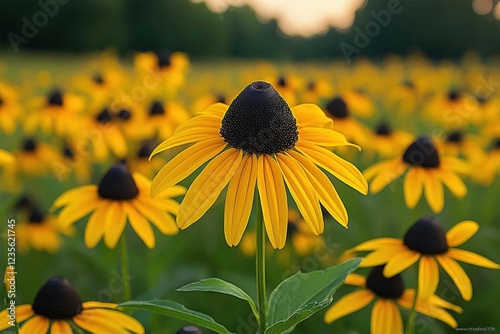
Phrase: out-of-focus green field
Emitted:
{"points": [[200, 251]]}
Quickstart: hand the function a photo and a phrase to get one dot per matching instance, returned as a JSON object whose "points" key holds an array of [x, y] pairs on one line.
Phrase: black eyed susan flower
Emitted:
{"points": [[338, 110], [118, 197], [427, 242], [57, 308], [258, 141], [6, 158], [162, 118], [425, 169], [388, 293], [40, 232], [387, 142], [10, 109], [486, 166]]}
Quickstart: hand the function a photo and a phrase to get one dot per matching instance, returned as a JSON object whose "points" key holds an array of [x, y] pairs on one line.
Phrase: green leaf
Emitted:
{"points": [[303, 294], [178, 311], [221, 286]]}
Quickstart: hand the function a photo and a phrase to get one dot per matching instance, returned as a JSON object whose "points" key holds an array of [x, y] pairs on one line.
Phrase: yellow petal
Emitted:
{"points": [[75, 195], [400, 262], [323, 137], [454, 183], [471, 258], [185, 163], [77, 210], [413, 186], [461, 232], [123, 320], [141, 226], [60, 327], [93, 323], [457, 274], [116, 141], [382, 167], [348, 304], [302, 192], [428, 277], [340, 168], [162, 220], [385, 318], [95, 226], [273, 200], [205, 189], [23, 312], [310, 115], [36, 325], [433, 191], [325, 190], [378, 243], [381, 256], [115, 224], [355, 279], [239, 199]]}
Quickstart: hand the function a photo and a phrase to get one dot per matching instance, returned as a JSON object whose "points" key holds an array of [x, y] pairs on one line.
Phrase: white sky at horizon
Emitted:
{"points": [[298, 17]]}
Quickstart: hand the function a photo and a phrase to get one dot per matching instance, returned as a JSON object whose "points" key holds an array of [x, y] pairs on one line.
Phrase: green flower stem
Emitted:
{"points": [[410, 326], [260, 261], [127, 292]]}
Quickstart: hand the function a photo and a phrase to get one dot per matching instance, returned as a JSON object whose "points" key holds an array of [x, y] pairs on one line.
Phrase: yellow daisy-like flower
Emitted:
{"points": [[6, 158], [118, 197], [10, 109], [425, 169], [163, 118], [337, 109], [386, 141], [258, 141], [486, 166], [388, 293], [40, 232], [58, 307], [427, 243]]}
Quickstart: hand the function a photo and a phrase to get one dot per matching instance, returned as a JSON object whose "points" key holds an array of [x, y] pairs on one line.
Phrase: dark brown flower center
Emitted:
{"points": [[164, 59], [282, 81], [98, 79], [55, 98], [57, 299], [118, 184], [104, 116], [156, 108], [383, 129], [124, 114], [423, 153], [495, 144], [392, 287], [337, 108], [456, 137], [146, 149], [426, 236], [36, 216], [30, 145], [259, 121], [1, 101], [292, 228]]}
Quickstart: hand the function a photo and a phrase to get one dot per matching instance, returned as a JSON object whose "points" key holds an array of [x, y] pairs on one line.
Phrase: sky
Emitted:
{"points": [[298, 17]]}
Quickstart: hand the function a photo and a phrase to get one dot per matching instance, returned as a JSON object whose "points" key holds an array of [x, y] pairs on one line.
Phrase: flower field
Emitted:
{"points": [[123, 180]]}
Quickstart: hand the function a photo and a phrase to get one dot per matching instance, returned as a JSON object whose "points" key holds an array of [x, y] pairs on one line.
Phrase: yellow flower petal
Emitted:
{"points": [[461, 232], [95, 228], [381, 256], [302, 192], [471, 258], [23, 312], [93, 323], [348, 304], [340, 168], [239, 199], [323, 137], [273, 200], [428, 277], [457, 274], [393, 169], [123, 320], [325, 190], [378, 243], [453, 182], [310, 115], [75, 195], [115, 224], [116, 141], [71, 213], [36, 325], [385, 318], [185, 163], [434, 190], [413, 186], [205, 189], [355, 279], [162, 220], [60, 327], [95, 304], [141, 226], [188, 136], [400, 262]]}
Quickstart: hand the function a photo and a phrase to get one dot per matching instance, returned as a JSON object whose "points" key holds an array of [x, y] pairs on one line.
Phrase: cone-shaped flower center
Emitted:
{"points": [[282, 81], [422, 152], [164, 59], [68, 152], [426, 236], [146, 149], [36, 216], [55, 98], [189, 330], [156, 108], [98, 79], [383, 129], [337, 108], [124, 114], [57, 299], [104, 116], [456, 136], [118, 184], [259, 121], [29, 145], [392, 287], [454, 95]]}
